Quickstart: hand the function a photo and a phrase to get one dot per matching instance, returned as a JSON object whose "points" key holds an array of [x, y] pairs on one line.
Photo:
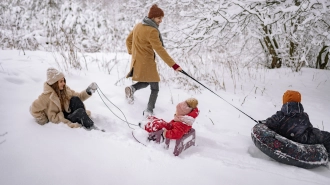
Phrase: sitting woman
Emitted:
{"points": [[293, 123], [58, 103], [186, 113]]}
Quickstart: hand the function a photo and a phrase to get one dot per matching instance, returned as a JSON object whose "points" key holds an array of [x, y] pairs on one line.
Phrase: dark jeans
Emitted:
{"points": [[78, 113], [154, 86]]}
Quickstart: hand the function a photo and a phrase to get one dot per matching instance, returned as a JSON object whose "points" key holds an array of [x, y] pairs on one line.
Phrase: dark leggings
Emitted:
{"points": [[154, 86], [78, 113], [326, 140], [316, 136]]}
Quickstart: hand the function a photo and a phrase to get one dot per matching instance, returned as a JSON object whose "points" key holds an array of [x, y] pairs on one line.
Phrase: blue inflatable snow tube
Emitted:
{"points": [[286, 151]]}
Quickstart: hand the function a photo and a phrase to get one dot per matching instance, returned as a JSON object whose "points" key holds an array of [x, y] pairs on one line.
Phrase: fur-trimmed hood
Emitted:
{"points": [[292, 108]]}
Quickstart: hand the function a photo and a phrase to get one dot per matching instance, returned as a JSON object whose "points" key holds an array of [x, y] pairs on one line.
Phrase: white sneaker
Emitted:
{"points": [[129, 91]]}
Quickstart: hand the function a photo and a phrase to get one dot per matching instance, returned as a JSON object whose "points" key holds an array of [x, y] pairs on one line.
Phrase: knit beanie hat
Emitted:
{"points": [[155, 12], [291, 96], [183, 109], [192, 102], [53, 75]]}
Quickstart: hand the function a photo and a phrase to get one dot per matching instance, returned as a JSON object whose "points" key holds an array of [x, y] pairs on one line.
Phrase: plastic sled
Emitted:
{"points": [[181, 145], [287, 151]]}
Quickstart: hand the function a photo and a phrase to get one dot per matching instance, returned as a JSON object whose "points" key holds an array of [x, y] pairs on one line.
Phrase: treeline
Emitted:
{"points": [[293, 33]]}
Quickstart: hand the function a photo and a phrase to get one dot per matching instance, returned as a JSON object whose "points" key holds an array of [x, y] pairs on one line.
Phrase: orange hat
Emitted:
{"points": [[155, 12], [291, 96]]}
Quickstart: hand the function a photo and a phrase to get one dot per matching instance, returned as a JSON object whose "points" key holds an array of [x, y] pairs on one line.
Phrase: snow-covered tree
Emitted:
{"points": [[293, 33], [281, 27]]}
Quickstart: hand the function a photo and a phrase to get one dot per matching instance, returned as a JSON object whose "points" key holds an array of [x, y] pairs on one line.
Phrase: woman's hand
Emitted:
{"points": [[91, 88], [178, 69], [74, 125]]}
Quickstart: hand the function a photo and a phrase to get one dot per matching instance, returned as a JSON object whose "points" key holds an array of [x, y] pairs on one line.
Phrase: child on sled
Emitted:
{"points": [[293, 123], [184, 117]]}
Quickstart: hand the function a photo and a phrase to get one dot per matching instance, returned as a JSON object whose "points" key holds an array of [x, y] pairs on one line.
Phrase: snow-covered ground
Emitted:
{"points": [[31, 154]]}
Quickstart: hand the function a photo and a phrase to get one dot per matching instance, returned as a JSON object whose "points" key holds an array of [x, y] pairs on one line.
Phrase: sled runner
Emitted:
{"points": [[181, 145], [287, 151]]}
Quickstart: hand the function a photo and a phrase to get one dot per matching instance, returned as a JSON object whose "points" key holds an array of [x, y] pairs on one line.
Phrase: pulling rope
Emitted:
{"points": [[218, 95], [138, 140], [128, 124]]}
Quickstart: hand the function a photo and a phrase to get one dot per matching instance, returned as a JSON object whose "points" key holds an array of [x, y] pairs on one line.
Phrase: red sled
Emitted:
{"points": [[181, 144]]}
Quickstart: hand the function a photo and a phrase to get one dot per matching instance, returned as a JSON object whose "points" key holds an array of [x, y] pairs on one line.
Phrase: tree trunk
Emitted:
{"points": [[326, 60], [319, 64], [293, 47], [276, 61]]}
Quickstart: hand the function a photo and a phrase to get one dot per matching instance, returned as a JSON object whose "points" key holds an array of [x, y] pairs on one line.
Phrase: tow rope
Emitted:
{"points": [[218, 95]]}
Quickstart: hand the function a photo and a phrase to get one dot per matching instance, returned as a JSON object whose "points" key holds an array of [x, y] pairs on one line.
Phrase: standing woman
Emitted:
{"points": [[58, 103]]}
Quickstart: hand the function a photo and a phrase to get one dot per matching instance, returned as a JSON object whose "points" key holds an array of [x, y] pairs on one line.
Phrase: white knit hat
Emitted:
{"points": [[53, 75]]}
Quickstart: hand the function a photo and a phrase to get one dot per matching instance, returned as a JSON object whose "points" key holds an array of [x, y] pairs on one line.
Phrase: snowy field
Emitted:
{"points": [[55, 154]]}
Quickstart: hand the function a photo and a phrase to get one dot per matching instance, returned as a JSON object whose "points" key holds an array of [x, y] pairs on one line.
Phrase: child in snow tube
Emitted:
{"points": [[58, 103], [185, 115], [293, 123]]}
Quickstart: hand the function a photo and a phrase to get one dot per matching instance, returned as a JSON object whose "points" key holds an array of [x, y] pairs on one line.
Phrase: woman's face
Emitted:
{"points": [[61, 84]]}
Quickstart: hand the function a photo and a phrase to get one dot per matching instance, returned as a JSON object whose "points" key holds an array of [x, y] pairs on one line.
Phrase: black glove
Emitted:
{"points": [[91, 88], [262, 121], [156, 136], [152, 137]]}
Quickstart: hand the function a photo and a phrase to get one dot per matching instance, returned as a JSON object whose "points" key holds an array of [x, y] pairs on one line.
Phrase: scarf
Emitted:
{"points": [[188, 120], [150, 22]]}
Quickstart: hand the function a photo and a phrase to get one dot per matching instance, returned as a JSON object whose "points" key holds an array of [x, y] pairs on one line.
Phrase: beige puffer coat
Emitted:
{"points": [[141, 43], [48, 107]]}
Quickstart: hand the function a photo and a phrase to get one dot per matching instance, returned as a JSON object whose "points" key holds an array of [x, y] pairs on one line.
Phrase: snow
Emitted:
{"points": [[225, 153]]}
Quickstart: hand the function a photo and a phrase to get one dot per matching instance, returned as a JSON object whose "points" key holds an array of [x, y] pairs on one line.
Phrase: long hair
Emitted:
{"points": [[62, 94]]}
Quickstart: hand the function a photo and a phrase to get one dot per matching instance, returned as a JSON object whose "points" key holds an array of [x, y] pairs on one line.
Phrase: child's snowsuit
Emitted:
{"points": [[175, 129], [293, 123]]}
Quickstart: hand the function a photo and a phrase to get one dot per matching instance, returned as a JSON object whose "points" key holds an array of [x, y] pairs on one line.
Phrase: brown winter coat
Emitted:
{"points": [[141, 43], [48, 107]]}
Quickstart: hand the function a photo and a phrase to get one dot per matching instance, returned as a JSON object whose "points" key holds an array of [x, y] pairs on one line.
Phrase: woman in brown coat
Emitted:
{"points": [[141, 44], [58, 103]]}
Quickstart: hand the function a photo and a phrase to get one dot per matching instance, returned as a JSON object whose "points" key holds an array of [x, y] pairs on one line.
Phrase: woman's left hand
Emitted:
{"points": [[91, 88], [178, 69]]}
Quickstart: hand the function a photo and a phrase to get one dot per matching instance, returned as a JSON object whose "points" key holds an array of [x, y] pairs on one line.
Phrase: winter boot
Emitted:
{"points": [[87, 122], [94, 128], [146, 113], [129, 91], [80, 116]]}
